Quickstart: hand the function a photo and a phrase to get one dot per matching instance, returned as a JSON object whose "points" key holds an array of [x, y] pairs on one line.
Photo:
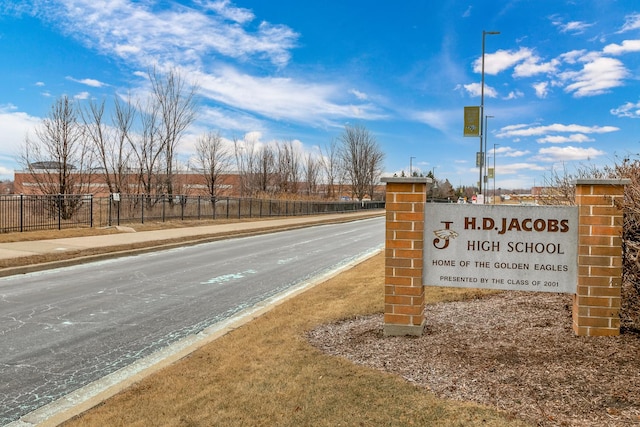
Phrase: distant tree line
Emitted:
{"points": [[134, 145]]}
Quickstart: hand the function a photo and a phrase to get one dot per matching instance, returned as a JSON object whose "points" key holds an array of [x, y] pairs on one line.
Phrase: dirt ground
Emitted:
{"points": [[513, 351]]}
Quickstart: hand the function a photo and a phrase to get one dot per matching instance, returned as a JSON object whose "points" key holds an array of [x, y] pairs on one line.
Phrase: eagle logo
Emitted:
{"points": [[443, 236]]}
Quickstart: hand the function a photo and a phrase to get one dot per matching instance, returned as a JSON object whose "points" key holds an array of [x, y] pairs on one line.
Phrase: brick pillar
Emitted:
{"points": [[404, 242], [596, 304]]}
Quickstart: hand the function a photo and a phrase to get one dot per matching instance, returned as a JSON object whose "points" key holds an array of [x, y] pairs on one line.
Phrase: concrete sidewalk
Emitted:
{"points": [[163, 237]]}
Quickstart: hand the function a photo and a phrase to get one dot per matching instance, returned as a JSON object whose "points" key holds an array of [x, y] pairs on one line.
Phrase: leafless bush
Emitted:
{"points": [[560, 189], [630, 310]]}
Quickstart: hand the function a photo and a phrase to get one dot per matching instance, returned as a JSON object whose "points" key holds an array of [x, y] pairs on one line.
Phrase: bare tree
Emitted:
{"points": [[288, 168], [149, 149], [264, 170], [246, 159], [362, 160], [559, 188], [177, 110], [312, 174], [214, 159], [111, 142], [375, 160], [330, 161], [59, 159]]}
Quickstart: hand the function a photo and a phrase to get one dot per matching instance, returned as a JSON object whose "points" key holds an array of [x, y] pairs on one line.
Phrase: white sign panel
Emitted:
{"points": [[527, 248]]}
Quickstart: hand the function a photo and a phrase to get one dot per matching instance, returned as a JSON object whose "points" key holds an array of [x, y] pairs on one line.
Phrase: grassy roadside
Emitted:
{"points": [[266, 374]]}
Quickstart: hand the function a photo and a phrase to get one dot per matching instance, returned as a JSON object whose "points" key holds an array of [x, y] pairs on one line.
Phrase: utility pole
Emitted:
{"points": [[482, 155]]}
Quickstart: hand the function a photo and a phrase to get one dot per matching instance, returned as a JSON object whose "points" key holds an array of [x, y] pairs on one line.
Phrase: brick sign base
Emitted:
{"points": [[596, 303]]}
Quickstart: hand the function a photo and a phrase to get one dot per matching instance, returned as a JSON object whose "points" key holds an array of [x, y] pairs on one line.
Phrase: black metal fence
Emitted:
{"points": [[26, 213]]}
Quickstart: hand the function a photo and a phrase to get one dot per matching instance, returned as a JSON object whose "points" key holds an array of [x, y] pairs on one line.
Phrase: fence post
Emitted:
{"points": [[596, 304], [163, 206], [227, 207], [21, 213], [91, 210], [404, 244], [59, 211]]}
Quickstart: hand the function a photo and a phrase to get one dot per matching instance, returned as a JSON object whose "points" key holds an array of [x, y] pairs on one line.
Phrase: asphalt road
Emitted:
{"points": [[62, 329]]}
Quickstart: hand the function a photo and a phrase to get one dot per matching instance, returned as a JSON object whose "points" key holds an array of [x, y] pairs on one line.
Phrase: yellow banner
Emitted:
{"points": [[471, 121]]}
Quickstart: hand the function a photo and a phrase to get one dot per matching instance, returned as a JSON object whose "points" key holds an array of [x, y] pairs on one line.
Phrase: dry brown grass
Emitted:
{"points": [[266, 374]]}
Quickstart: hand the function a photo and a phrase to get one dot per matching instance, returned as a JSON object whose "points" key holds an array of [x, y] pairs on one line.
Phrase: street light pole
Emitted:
{"points": [[494, 173], [482, 155]]}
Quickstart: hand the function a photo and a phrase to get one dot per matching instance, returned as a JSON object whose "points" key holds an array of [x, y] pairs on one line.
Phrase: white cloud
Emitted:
{"points": [[82, 95], [524, 62], [87, 82], [506, 151], [224, 9], [558, 139], [514, 94], [39, 84], [542, 89], [360, 95], [570, 153], [521, 130], [189, 37], [475, 89], [281, 98], [597, 76], [467, 12], [15, 126], [136, 32], [575, 27], [517, 168], [625, 47], [222, 119], [517, 153], [573, 56], [532, 66], [628, 109], [501, 60], [632, 22], [126, 50]]}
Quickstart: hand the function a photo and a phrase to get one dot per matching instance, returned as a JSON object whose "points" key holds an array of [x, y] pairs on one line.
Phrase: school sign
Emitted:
{"points": [[575, 250], [527, 248]]}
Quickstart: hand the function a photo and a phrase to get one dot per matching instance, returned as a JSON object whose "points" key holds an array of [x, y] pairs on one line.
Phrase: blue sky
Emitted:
{"points": [[561, 78]]}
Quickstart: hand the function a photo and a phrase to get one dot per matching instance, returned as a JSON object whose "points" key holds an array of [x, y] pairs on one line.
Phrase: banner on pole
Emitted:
{"points": [[471, 121]]}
